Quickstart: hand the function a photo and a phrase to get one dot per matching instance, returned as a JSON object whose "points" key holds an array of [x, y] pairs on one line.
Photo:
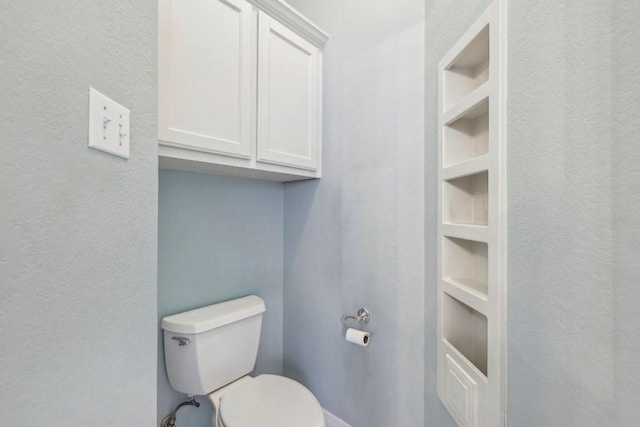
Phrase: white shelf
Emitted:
{"points": [[469, 368], [470, 167], [468, 232], [471, 106], [466, 295]]}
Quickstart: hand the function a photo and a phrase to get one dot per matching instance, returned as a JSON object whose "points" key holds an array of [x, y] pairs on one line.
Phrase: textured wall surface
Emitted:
{"points": [[446, 22], [625, 185], [218, 238], [77, 226], [574, 227], [355, 238]]}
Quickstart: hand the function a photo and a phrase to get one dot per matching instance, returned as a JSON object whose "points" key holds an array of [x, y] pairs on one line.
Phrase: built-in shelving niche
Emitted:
{"points": [[465, 263], [472, 223], [466, 330], [469, 70], [466, 200]]}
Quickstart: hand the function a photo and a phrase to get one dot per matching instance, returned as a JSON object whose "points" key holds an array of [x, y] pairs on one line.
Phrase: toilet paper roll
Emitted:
{"points": [[359, 337]]}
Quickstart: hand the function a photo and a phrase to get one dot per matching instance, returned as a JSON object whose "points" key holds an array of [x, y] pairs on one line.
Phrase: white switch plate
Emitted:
{"points": [[108, 125]]}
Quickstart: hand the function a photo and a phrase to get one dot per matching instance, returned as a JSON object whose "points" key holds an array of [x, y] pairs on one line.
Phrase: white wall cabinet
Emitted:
{"points": [[288, 96], [240, 84]]}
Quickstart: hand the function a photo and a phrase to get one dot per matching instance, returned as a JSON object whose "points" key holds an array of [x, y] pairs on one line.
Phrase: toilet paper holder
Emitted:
{"points": [[363, 316]]}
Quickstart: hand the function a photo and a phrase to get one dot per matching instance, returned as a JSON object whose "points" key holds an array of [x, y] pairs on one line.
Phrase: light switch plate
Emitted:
{"points": [[108, 125]]}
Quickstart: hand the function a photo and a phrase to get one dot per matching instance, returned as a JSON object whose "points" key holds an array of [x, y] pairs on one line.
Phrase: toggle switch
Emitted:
{"points": [[108, 125]]}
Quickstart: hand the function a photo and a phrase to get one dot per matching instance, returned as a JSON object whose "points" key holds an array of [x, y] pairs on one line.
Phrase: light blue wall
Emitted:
{"points": [[78, 227], [574, 227], [218, 238], [573, 224], [625, 185], [355, 238]]}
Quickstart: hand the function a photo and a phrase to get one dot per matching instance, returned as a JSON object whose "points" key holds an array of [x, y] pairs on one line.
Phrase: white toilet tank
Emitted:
{"points": [[210, 347]]}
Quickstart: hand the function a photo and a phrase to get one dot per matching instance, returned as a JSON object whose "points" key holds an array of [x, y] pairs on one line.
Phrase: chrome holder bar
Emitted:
{"points": [[363, 316]]}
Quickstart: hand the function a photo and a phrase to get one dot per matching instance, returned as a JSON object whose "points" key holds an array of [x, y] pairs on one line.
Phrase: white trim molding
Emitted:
{"points": [[290, 17]]}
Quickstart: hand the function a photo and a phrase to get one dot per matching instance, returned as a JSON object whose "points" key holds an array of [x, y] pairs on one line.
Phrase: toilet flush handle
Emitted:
{"points": [[182, 340]]}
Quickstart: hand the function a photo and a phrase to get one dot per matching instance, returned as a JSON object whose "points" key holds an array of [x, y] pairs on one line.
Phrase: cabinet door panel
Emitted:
{"points": [[206, 75], [288, 97]]}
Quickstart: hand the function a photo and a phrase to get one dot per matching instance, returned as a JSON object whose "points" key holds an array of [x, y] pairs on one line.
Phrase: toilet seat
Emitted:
{"points": [[267, 401]]}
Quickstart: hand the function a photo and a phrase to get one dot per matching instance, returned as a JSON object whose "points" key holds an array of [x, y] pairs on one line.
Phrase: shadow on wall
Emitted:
{"points": [[358, 240]]}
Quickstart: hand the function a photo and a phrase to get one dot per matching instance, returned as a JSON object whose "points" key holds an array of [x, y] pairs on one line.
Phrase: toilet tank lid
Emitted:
{"points": [[213, 316]]}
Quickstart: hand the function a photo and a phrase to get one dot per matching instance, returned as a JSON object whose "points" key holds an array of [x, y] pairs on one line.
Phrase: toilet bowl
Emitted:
{"points": [[267, 401], [211, 350]]}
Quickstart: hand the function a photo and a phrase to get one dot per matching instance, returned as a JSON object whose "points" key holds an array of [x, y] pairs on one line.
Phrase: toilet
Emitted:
{"points": [[211, 350]]}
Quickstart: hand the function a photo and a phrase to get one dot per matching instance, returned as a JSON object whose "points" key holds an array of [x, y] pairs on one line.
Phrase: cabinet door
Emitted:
{"points": [[207, 75], [289, 83]]}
